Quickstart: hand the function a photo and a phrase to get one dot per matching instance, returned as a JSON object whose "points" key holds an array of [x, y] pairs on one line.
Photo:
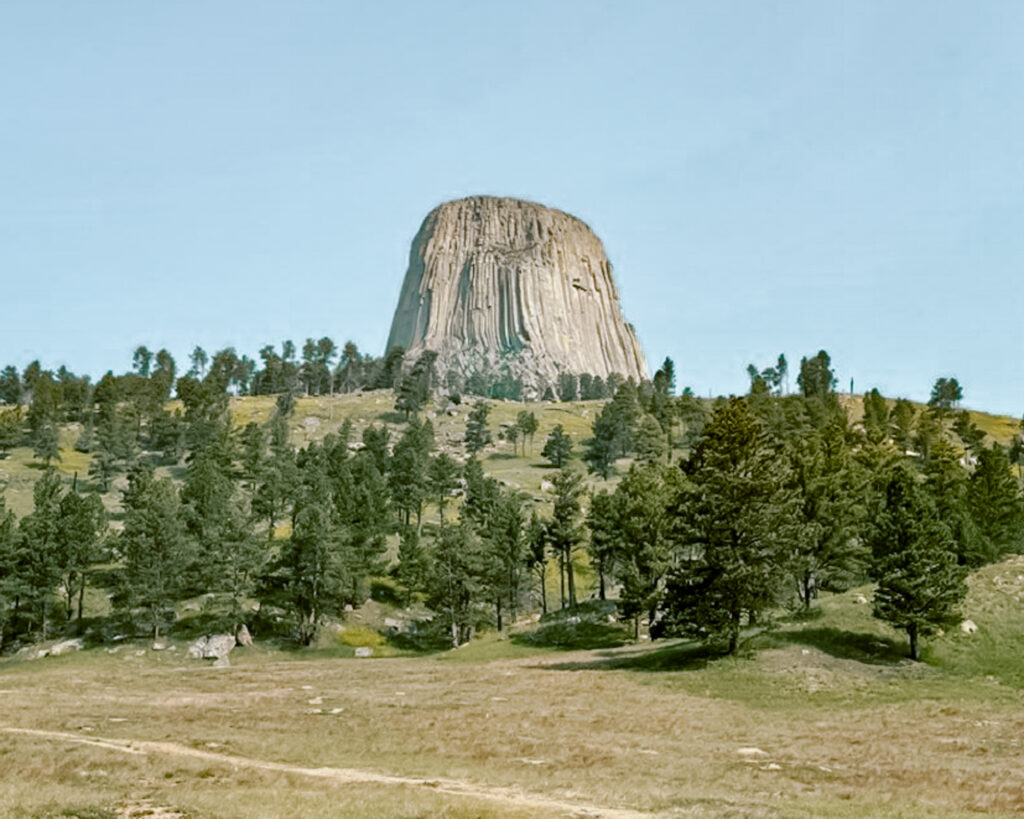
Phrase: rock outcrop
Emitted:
{"points": [[501, 284]]}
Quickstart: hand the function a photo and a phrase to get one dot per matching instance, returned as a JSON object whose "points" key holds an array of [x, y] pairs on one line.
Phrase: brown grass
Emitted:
{"points": [[607, 728]]}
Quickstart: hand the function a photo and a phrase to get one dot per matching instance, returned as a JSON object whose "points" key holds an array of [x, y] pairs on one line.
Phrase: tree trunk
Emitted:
{"points": [[600, 581], [912, 632], [572, 578], [561, 575], [81, 600], [543, 587], [497, 607]]}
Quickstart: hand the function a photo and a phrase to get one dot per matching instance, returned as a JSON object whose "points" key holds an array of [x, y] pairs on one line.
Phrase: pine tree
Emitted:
{"points": [[10, 430], [832, 506], [477, 434], [455, 584], [920, 584], [996, 503], [314, 571], [651, 441], [564, 531], [154, 547], [558, 447], [527, 424], [443, 477], [635, 532], [39, 556], [80, 529], [738, 525]]}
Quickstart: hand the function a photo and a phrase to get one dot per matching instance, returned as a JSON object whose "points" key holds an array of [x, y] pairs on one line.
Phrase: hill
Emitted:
{"points": [[317, 417]]}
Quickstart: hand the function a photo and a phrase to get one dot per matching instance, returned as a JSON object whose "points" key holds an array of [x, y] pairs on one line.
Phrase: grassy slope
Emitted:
{"points": [[317, 417]]}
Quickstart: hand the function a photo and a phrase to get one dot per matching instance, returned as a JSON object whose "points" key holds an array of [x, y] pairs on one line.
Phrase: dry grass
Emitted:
{"points": [[656, 729]]}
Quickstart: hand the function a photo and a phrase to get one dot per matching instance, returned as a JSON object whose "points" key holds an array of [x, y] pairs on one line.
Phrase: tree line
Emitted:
{"points": [[726, 510]]}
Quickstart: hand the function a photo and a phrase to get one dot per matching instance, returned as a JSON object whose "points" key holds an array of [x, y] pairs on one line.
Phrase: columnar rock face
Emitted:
{"points": [[505, 284]]}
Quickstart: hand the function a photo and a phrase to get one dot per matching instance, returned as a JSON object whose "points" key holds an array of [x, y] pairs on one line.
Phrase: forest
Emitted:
{"points": [[702, 518]]}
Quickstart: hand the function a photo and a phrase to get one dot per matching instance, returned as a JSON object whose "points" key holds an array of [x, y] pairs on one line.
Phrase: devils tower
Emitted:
{"points": [[506, 286]]}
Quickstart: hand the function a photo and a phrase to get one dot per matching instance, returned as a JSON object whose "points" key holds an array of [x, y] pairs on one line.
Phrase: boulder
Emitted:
{"points": [[67, 646], [969, 627], [212, 647], [364, 651], [243, 637]]}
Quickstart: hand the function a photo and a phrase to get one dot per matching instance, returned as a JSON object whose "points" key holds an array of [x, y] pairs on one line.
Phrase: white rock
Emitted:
{"points": [[214, 647], [860, 599], [66, 646], [364, 651], [243, 637], [547, 486], [968, 627], [751, 752]]}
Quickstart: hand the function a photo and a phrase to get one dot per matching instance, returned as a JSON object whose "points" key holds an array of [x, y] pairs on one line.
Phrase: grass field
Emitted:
{"points": [[825, 718]]}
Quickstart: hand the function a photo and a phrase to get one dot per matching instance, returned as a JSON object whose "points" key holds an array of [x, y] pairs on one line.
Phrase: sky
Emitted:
{"points": [[766, 177]]}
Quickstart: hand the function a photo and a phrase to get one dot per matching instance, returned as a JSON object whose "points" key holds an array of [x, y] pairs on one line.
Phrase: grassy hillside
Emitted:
{"points": [[316, 417]]}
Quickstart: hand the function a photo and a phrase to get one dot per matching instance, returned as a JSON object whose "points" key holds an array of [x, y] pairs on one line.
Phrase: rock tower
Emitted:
{"points": [[505, 286]]}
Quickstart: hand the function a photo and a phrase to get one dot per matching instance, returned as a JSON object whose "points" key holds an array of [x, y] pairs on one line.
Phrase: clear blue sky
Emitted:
{"points": [[766, 177]]}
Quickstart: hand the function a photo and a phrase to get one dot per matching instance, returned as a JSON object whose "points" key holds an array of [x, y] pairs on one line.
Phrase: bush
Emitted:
{"points": [[360, 636]]}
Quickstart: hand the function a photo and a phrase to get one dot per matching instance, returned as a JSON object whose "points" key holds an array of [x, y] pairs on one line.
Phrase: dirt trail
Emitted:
{"points": [[510, 797]]}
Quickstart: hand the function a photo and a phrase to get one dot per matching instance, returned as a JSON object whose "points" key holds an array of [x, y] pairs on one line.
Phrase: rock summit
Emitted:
{"points": [[506, 286]]}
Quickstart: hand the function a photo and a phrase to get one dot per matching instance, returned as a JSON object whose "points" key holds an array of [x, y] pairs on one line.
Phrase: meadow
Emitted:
{"points": [[819, 716]]}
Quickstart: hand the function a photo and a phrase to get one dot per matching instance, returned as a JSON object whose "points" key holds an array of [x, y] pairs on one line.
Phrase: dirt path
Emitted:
{"points": [[510, 797]]}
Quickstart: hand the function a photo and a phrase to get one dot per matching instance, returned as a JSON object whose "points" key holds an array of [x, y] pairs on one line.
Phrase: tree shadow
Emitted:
{"points": [[681, 655], [392, 417], [871, 649]]}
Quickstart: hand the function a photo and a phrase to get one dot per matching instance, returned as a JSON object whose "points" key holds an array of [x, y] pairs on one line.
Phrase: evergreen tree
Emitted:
{"points": [[153, 546], [832, 508], [10, 430], [414, 389], [876, 416], [946, 482], [599, 451], [650, 440], [10, 586], [901, 424], [362, 512], [407, 478], [527, 424], [946, 394], [636, 526], [477, 434], [375, 444], [996, 503], [10, 386], [315, 574], [558, 447], [502, 553], [920, 584], [455, 584], [564, 531], [443, 478], [537, 555], [39, 556], [568, 387], [413, 568], [81, 525], [738, 524]]}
